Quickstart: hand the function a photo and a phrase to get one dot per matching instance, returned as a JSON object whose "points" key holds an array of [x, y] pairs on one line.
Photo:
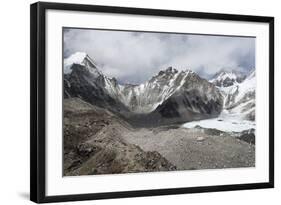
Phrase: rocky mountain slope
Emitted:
{"points": [[93, 143], [97, 141]]}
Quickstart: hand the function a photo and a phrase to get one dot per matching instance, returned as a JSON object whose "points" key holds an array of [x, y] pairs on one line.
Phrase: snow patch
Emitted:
{"points": [[223, 124]]}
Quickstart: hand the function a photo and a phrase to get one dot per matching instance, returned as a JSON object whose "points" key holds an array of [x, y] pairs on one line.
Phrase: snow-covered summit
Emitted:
{"points": [[226, 78], [80, 58], [145, 97], [223, 75]]}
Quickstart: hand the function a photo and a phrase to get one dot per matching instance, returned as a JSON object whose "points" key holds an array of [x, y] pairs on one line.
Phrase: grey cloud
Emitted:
{"points": [[134, 57]]}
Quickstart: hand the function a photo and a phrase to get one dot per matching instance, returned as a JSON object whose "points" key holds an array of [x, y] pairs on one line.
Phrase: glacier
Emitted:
{"points": [[226, 122]]}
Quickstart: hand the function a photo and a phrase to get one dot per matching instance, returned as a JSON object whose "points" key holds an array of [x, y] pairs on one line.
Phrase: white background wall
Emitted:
{"points": [[14, 100]]}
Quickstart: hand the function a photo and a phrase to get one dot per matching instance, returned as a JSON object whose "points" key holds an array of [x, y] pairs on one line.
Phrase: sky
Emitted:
{"points": [[134, 57]]}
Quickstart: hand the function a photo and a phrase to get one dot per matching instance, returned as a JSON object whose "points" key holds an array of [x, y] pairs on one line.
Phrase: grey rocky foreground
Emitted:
{"points": [[194, 148], [93, 144], [98, 142]]}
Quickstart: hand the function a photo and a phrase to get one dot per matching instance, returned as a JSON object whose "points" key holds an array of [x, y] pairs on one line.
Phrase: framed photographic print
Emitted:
{"points": [[129, 102]]}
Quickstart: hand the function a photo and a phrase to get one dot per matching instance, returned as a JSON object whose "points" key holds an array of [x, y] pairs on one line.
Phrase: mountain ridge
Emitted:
{"points": [[228, 77], [169, 96]]}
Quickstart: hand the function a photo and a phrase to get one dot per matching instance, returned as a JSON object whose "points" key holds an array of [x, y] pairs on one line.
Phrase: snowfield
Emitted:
{"points": [[225, 122]]}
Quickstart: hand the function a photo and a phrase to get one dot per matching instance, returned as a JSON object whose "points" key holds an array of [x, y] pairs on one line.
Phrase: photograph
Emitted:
{"points": [[148, 101]]}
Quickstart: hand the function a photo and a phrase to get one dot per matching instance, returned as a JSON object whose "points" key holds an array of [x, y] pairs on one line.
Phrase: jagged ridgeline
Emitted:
{"points": [[170, 96]]}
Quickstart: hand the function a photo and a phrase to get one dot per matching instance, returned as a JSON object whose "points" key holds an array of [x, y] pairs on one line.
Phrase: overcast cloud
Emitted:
{"points": [[133, 57]]}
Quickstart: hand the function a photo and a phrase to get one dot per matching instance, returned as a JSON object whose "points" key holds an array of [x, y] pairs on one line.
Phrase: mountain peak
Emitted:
{"points": [[169, 70], [76, 58], [80, 58], [172, 70], [228, 77]]}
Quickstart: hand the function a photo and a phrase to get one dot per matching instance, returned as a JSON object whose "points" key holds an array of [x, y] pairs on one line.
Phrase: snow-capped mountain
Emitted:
{"points": [[238, 113], [145, 97], [226, 78], [80, 58], [83, 79], [239, 98], [173, 95]]}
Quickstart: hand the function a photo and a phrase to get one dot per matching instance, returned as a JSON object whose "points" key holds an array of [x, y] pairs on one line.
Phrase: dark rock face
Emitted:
{"points": [[187, 106], [248, 136], [196, 99], [225, 83], [81, 83], [169, 109]]}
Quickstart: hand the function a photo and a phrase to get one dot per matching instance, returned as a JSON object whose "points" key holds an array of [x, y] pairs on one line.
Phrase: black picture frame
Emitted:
{"points": [[38, 100]]}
